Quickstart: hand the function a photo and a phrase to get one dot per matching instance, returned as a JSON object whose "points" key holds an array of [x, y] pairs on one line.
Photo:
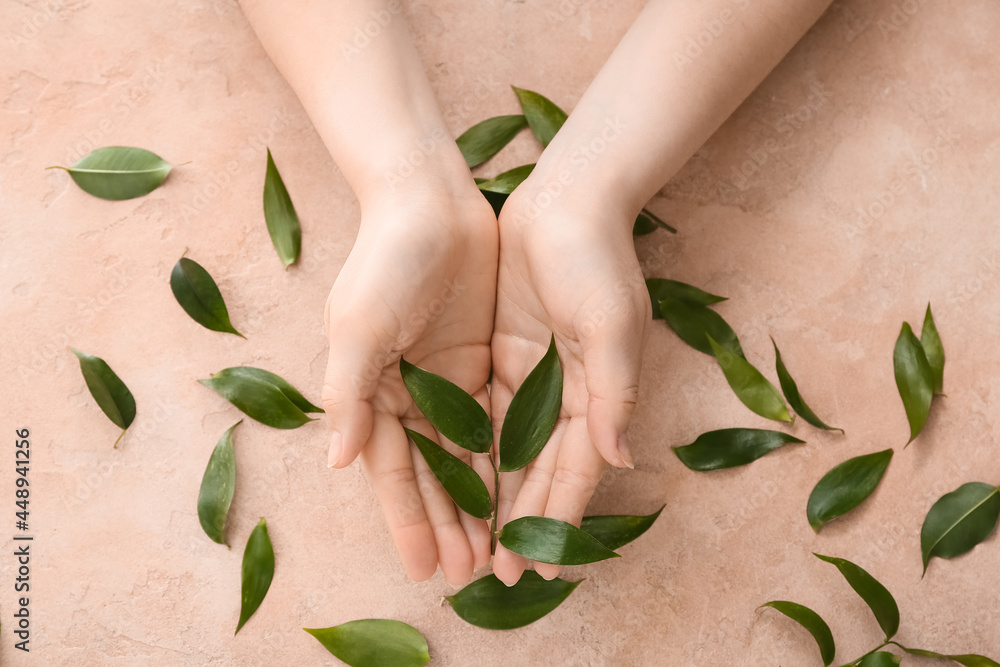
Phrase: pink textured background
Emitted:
{"points": [[885, 106]]}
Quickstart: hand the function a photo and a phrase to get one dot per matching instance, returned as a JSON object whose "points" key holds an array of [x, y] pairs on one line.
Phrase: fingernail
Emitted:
{"points": [[336, 449], [624, 452]]}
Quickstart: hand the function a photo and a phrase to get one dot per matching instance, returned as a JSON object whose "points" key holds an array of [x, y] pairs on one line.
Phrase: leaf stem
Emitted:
{"points": [[880, 646], [115, 446]]}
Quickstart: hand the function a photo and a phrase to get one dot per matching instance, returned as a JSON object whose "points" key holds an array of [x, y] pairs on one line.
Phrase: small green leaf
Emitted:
{"points": [[280, 216], [695, 323], [496, 200], [258, 399], [552, 541], [259, 374], [453, 412], [484, 140], [812, 622], [752, 388], [119, 172], [217, 485], [462, 483], [111, 394], [845, 487], [876, 596], [257, 572], [969, 659], [791, 391], [199, 296], [617, 530], [933, 350], [544, 117], [664, 288], [647, 222], [374, 642], [959, 521], [731, 447], [489, 603], [506, 182], [532, 414], [914, 379], [880, 659]]}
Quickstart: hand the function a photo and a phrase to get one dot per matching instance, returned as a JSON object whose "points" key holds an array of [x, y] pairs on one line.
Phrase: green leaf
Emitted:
{"points": [[453, 412], [484, 140], [694, 324], [119, 172], [969, 659], [752, 388], [374, 642], [647, 222], [544, 117], [876, 596], [812, 622], [257, 572], [914, 379], [199, 296], [664, 288], [959, 521], [845, 487], [880, 659], [731, 447], [552, 541], [259, 374], [217, 485], [257, 399], [506, 182], [532, 414], [930, 341], [462, 483], [496, 200], [791, 391], [111, 394], [489, 603], [280, 216], [617, 530]]}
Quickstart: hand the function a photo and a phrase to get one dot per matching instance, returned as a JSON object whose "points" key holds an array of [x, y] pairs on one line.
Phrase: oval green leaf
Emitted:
{"points": [[731, 447], [119, 172], [933, 350], [484, 140], [280, 216], [968, 659], [695, 323], [845, 487], [617, 530], [664, 288], [914, 379], [880, 659], [462, 483], [791, 391], [505, 183], [111, 394], [453, 412], [876, 596], [532, 414], [259, 400], [259, 374], [959, 521], [749, 385], [647, 222], [217, 486], [374, 642], [544, 117], [199, 296], [489, 603], [257, 572], [812, 622], [552, 541]]}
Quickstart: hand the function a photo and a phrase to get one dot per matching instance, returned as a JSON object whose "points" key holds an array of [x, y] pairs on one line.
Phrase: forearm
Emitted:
{"points": [[658, 99]]}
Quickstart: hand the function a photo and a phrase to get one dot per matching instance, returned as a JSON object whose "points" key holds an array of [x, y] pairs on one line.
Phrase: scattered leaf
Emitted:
{"points": [[791, 391], [914, 379], [544, 117], [933, 350], [484, 140], [259, 374], [257, 572], [812, 622], [731, 447], [752, 388], [496, 200], [664, 288], [552, 541], [280, 216], [959, 521], [969, 659], [505, 182], [374, 642], [453, 412], [489, 603], [694, 324], [118, 172], [532, 414], [217, 486], [648, 222], [880, 659], [199, 296], [617, 530], [876, 596], [111, 394], [462, 483], [845, 487], [258, 399]]}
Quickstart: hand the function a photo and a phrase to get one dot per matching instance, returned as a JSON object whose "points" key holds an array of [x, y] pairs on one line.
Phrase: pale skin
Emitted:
{"points": [[436, 278]]}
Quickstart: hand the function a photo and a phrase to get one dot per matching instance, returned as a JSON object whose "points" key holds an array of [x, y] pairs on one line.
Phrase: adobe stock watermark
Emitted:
{"points": [[378, 20], [32, 25], [900, 14], [711, 30]]}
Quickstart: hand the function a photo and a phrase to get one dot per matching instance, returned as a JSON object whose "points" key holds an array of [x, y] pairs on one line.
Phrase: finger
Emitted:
{"points": [[387, 463], [352, 374]]}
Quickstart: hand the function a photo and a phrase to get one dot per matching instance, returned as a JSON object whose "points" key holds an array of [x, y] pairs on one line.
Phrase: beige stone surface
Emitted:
{"points": [[887, 108]]}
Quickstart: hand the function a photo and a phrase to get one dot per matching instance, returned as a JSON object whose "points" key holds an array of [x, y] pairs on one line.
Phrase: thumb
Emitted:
{"points": [[352, 374]]}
